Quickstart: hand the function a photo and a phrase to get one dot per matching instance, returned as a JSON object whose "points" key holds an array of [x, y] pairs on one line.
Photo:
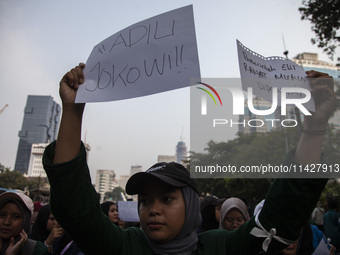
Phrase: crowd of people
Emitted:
{"points": [[173, 219], [30, 228], [48, 237], [322, 232], [216, 213]]}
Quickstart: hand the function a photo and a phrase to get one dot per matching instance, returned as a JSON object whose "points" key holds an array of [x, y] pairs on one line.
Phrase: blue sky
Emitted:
{"points": [[41, 40]]}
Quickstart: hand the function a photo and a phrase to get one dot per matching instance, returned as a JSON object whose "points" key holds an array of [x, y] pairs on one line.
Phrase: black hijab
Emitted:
{"points": [[39, 231], [208, 213]]}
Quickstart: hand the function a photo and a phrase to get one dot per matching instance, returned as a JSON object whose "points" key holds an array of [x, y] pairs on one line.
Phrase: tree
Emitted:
{"points": [[243, 150], [325, 18], [3, 169], [15, 180], [252, 191], [115, 194], [332, 189], [12, 180], [215, 187], [36, 183], [253, 150]]}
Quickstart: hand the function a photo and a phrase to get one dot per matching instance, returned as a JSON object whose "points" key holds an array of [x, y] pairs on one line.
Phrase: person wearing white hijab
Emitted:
{"points": [[15, 224], [234, 213]]}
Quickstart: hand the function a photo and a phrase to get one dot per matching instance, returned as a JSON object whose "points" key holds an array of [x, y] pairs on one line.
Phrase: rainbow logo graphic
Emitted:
{"points": [[213, 90], [204, 99]]}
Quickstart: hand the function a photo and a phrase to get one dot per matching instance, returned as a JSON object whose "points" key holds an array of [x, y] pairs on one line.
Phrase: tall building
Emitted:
{"points": [[35, 167], [166, 158], [181, 151], [105, 182], [123, 180], [310, 61], [40, 125], [135, 169]]}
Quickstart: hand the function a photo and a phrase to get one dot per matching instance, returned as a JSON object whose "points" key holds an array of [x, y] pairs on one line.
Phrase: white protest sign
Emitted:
{"points": [[321, 249], [152, 56], [264, 74], [128, 211]]}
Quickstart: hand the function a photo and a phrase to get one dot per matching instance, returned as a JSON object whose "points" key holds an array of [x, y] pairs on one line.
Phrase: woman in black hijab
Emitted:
{"points": [[210, 211]]}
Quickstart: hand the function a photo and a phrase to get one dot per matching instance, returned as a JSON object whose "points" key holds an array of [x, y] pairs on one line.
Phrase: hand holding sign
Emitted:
{"points": [[152, 56]]}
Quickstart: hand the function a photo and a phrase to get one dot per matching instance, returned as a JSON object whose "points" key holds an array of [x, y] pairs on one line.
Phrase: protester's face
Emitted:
{"points": [[161, 211], [51, 222], [11, 220], [113, 214], [233, 220]]}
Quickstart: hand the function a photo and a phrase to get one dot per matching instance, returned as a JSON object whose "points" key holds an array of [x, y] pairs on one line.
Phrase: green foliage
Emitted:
{"points": [[12, 179], [331, 145], [36, 183], [216, 187], [250, 190], [115, 194], [332, 189], [325, 18], [3, 169], [249, 149], [254, 149]]}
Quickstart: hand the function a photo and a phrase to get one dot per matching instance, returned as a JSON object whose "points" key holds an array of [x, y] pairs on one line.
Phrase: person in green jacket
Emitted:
{"points": [[168, 201]]}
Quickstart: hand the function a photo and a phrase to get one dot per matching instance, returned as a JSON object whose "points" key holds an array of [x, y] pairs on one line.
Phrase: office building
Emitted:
{"points": [[135, 169], [123, 180], [35, 167], [166, 158], [40, 125], [310, 61], [105, 182], [181, 151]]}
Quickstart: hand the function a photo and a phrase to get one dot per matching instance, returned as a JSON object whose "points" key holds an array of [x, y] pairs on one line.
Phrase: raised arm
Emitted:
{"points": [[69, 136], [290, 201], [73, 199], [310, 144]]}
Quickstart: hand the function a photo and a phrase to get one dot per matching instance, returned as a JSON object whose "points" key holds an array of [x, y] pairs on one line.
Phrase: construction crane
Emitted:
{"points": [[3, 108]]}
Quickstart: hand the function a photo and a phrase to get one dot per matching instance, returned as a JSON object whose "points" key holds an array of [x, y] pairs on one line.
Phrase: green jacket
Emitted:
{"points": [[33, 247], [75, 204]]}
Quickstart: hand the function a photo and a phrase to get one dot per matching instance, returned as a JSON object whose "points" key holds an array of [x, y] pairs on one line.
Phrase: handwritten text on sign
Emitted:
{"points": [[264, 75], [152, 56]]}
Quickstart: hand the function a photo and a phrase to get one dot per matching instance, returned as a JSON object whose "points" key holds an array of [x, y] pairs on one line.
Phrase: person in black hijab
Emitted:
{"points": [[210, 210]]}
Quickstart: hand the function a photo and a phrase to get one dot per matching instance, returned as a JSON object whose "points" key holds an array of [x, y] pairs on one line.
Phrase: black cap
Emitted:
{"points": [[171, 173]]}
